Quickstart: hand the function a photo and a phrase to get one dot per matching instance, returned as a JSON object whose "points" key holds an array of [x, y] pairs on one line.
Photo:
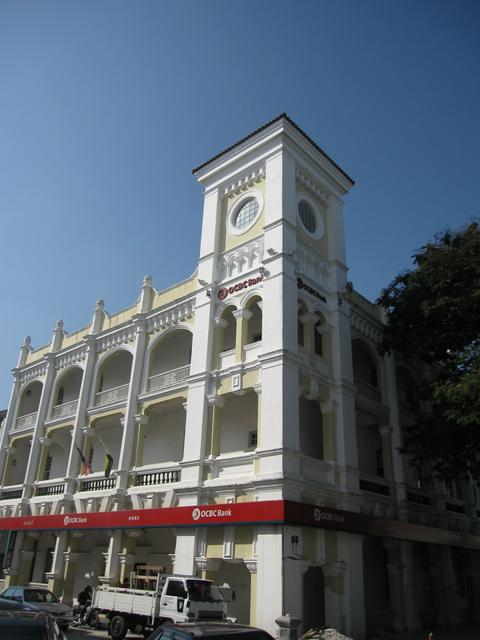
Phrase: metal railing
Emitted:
{"points": [[168, 378], [66, 409], [98, 484], [111, 395], [11, 494], [27, 421], [157, 477], [51, 490]]}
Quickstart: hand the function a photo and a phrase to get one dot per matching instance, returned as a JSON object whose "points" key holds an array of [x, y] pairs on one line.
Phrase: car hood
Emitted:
{"points": [[55, 608]]}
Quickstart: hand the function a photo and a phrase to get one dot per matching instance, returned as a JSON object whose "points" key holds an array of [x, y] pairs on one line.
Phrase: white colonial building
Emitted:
{"points": [[254, 429]]}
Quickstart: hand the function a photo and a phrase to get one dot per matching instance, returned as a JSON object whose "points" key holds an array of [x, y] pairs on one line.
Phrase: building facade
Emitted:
{"points": [[253, 427]]}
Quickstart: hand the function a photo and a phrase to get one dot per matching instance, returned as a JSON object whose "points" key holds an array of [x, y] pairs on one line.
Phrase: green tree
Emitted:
{"points": [[433, 318]]}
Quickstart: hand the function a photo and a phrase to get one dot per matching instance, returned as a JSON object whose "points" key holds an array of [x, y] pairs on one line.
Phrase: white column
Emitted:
{"points": [[412, 621], [73, 464], [128, 437], [8, 422], [112, 565], [351, 552], [33, 459], [398, 475], [185, 545], [270, 577]]}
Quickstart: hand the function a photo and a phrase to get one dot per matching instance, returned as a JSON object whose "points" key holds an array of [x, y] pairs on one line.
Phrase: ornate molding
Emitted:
{"points": [[119, 337], [170, 317], [365, 326], [310, 185], [244, 181], [243, 258], [70, 358], [311, 264], [34, 372]]}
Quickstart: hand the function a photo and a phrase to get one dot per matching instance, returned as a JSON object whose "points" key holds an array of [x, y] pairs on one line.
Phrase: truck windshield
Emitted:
{"points": [[203, 591]]}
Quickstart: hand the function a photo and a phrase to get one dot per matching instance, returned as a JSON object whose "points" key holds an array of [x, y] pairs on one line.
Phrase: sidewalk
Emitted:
{"points": [[466, 632]]}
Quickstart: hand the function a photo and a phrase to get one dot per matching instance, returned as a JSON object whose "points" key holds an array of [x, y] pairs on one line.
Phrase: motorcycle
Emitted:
{"points": [[85, 616]]}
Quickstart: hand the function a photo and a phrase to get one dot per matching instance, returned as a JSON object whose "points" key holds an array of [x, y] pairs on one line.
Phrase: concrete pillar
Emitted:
{"points": [[126, 456], [55, 577], [112, 565], [329, 422], [308, 320], [217, 404], [395, 571], [127, 554], [252, 567], [242, 316], [451, 595], [185, 545], [270, 577], [412, 621], [71, 557], [350, 552], [141, 421], [386, 437], [8, 454], [11, 572]]}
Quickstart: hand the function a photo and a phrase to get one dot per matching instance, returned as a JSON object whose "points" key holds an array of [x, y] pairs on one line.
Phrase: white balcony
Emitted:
{"points": [[252, 351], [168, 378], [65, 410], [241, 464], [13, 492], [226, 359], [117, 394], [49, 488], [27, 422]]}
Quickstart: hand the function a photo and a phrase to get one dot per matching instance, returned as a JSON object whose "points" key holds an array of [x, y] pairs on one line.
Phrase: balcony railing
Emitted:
{"points": [[98, 484], [157, 477], [11, 494], [51, 490], [368, 390], [374, 485], [111, 395], [65, 410], [169, 378], [28, 421]]}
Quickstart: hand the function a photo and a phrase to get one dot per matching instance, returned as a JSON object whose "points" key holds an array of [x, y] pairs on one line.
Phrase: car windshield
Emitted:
{"points": [[203, 591], [39, 595]]}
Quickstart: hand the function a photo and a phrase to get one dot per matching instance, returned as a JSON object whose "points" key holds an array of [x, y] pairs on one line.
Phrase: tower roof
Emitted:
{"points": [[265, 126]]}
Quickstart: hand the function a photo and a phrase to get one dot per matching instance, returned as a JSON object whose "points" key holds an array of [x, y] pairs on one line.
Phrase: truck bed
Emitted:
{"points": [[136, 601]]}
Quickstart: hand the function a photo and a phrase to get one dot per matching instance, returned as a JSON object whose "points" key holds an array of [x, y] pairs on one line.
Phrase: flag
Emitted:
{"points": [[86, 468], [108, 464], [108, 459]]}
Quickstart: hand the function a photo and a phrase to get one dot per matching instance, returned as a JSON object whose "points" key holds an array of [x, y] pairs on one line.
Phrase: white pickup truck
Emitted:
{"points": [[175, 599]]}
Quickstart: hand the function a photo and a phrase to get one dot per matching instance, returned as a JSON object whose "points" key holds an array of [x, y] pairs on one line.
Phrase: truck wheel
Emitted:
{"points": [[118, 628]]}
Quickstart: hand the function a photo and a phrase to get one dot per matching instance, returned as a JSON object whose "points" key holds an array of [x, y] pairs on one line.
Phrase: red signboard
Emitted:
{"points": [[269, 512], [209, 514]]}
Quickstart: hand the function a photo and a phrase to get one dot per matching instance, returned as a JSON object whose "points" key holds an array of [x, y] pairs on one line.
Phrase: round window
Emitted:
{"points": [[246, 214], [307, 216]]}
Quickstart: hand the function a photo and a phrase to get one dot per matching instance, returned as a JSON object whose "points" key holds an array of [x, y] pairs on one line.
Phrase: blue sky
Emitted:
{"points": [[105, 107]]}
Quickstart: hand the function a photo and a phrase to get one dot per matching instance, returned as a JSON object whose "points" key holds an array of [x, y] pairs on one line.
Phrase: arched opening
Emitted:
{"points": [[254, 328], [313, 599], [113, 378], [170, 360], [28, 406], [365, 371], [67, 391], [311, 428], [225, 338]]}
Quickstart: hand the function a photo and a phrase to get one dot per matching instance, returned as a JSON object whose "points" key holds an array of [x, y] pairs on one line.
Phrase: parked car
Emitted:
{"points": [[13, 605], [208, 631], [29, 625], [42, 599]]}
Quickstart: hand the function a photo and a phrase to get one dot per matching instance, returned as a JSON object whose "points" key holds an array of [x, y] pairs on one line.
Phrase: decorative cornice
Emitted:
{"points": [[72, 357], [314, 188], [125, 335], [169, 317], [34, 372], [310, 263], [244, 181], [365, 325]]}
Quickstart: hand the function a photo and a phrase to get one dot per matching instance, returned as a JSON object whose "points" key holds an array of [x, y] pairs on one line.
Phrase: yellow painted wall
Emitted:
{"points": [[243, 544], [174, 293], [73, 338], [215, 536], [228, 240], [38, 354]]}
